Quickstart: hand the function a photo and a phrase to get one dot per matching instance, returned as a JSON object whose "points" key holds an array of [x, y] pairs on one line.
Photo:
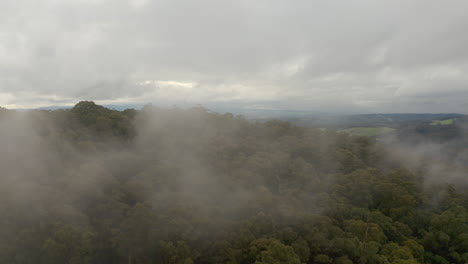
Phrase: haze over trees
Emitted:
{"points": [[95, 185]]}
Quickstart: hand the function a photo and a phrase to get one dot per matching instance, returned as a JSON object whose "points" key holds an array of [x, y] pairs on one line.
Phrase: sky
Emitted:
{"points": [[328, 56]]}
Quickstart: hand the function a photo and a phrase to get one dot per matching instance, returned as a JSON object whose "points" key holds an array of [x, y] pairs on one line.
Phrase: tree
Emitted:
{"points": [[133, 239], [272, 251], [68, 245]]}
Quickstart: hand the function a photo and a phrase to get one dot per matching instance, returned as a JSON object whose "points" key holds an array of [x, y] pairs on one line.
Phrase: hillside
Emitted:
{"points": [[95, 185], [367, 120]]}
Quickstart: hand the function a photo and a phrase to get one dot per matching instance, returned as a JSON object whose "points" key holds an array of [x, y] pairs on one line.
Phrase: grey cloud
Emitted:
{"points": [[339, 55]]}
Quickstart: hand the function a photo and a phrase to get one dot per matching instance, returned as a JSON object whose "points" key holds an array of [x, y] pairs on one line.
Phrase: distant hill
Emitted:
{"points": [[110, 106], [440, 126], [304, 118], [368, 120]]}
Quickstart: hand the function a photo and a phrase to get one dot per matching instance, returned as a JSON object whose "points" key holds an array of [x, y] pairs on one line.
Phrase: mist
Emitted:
{"points": [[439, 160], [95, 185], [257, 132]]}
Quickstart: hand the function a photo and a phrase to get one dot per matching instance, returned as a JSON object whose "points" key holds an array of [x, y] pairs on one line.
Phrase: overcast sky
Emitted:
{"points": [[328, 56]]}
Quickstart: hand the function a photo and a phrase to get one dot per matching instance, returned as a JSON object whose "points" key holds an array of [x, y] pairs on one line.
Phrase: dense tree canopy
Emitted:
{"points": [[95, 185]]}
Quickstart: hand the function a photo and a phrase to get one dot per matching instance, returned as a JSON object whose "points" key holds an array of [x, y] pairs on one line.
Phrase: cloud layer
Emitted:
{"points": [[353, 56]]}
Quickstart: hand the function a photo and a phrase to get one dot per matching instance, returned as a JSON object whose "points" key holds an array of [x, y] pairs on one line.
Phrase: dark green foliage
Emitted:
{"points": [[94, 185]]}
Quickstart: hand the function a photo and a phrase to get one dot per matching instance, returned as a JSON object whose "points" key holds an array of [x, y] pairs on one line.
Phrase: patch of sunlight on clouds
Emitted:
{"points": [[176, 84], [159, 83]]}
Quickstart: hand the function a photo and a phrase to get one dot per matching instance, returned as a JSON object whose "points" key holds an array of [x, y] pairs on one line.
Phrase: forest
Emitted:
{"points": [[92, 185]]}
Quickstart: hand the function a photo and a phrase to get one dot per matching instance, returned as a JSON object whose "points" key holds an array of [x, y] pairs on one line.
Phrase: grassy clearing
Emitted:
{"points": [[367, 131], [445, 122]]}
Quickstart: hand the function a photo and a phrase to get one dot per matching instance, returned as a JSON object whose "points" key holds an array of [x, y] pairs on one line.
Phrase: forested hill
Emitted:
{"points": [[94, 185], [368, 120]]}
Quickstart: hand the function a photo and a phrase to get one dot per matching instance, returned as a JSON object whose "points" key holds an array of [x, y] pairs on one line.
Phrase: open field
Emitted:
{"points": [[367, 131], [445, 122]]}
